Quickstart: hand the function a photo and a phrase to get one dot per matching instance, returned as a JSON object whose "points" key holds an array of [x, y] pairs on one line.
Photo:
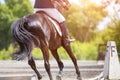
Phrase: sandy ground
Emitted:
{"points": [[15, 70]]}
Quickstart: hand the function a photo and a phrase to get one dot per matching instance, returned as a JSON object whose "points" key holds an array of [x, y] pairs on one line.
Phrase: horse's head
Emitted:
{"points": [[61, 4]]}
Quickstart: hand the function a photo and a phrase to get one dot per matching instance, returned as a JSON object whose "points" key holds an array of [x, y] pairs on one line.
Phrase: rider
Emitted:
{"points": [[48, 7]]}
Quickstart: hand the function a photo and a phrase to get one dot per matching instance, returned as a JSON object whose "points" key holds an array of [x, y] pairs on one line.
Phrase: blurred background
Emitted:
{"points": [[91, 22]]}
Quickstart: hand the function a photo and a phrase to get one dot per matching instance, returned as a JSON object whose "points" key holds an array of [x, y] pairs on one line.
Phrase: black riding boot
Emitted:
{"points": [[65, 34]]}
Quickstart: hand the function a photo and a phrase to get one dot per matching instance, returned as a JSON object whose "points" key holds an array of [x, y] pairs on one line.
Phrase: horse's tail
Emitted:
{"points": [[24, 38]]}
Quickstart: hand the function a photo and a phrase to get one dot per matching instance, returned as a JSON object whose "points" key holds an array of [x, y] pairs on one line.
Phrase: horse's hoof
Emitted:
{"points": [[36, 78], [40, 77], [58, 77], [79, 78]]}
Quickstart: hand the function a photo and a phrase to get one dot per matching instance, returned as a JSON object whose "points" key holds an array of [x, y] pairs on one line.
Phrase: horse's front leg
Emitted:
{"points": [[45, 51], [70, 53], [31, 62]]}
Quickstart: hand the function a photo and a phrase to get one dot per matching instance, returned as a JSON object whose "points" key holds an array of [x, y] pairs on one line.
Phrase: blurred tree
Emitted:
{"points": [[113, 28], [83, 20], [115, 35], [6, 18], [19, 8], [11, 10], [111, 33]]}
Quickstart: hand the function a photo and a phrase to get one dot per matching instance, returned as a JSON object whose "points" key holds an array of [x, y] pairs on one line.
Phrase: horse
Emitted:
{"points": [[37, 30]]}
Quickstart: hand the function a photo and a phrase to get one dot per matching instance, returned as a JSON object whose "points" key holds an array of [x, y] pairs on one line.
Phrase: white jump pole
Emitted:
{"points": [[111, 65]]}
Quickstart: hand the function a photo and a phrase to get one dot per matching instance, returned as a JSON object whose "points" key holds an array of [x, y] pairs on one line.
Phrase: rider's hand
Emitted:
{"points": [[66, 6]]}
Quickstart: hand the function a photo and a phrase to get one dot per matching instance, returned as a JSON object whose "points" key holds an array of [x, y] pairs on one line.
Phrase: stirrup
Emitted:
{"points": [[71, 40]]}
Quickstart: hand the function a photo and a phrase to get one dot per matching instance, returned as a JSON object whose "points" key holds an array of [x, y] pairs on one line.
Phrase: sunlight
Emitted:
{"points": [[74, 1], [103, 23]]}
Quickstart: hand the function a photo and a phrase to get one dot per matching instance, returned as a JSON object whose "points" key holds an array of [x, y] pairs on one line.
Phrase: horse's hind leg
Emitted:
{"points": [[70, 53], [60, 63], [45, 51], [31, 62]]}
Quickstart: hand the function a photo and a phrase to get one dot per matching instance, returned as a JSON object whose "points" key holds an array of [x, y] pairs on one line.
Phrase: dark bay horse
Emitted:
{"points": [[36, 30]]}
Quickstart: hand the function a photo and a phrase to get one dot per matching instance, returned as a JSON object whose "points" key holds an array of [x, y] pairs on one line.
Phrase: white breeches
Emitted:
{"points": [[52, 12]]}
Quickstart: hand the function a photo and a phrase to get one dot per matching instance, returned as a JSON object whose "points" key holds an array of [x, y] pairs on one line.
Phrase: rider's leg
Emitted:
{"points": [[65, 32]]}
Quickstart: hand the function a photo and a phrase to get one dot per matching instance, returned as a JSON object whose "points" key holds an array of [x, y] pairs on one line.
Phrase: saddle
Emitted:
{"points": [[54, 22]]}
